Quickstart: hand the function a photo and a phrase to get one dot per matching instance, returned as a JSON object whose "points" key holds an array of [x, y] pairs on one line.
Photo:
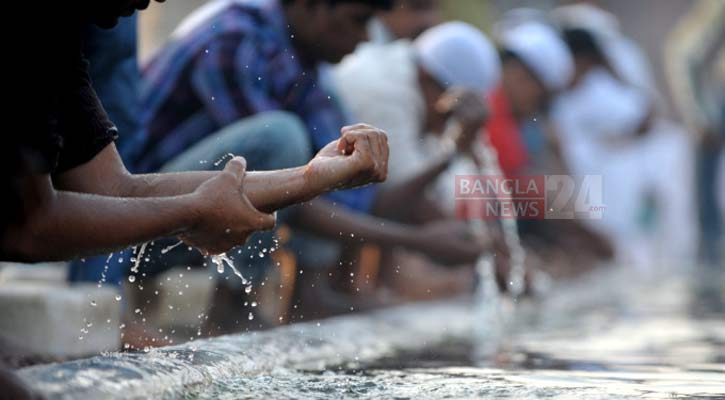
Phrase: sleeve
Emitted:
{"points": [[229, 77], [83, 124]]}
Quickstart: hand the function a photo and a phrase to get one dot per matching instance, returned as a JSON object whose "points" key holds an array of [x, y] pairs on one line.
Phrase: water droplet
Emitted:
{"points": [[93, 303], [132, 278], [251, 316], [248, 289]]}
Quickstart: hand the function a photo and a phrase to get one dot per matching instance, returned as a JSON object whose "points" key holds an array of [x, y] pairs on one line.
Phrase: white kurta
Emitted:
{"points": [[379, 85], [597, 121]]}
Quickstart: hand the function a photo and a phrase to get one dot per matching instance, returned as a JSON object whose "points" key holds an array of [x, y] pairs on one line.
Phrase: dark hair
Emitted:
{"points": [[381, 4], [508, 55], [581, 42]]}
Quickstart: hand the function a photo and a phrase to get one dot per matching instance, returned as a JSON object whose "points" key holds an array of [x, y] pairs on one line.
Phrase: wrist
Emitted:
{"points": [[319, 179], [192, 210]]}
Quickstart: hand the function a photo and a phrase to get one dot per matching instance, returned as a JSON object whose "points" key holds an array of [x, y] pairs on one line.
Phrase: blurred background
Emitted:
{"points": [[157, 23]]}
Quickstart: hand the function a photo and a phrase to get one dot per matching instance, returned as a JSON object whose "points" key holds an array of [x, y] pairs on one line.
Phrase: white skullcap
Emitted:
{"points": [[457, 54], [625, 57], [602, 25], [543, 50], [587, 17], [518, 16]]}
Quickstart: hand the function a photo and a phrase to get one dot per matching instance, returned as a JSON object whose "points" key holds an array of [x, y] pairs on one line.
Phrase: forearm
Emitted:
{"points": [[396, 199], [75, 224], [267, 190], [321, 217]]}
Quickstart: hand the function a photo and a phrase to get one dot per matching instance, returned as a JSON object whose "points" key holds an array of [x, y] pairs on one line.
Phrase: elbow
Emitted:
{"points": [[29, 241]]}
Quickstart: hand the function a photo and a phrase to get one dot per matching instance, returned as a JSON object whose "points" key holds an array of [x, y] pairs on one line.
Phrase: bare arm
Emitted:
{"points": [[67, 224], [359, 157], [446, 241], [106, 175], [395, 200], [62, 224], [99, 206]]}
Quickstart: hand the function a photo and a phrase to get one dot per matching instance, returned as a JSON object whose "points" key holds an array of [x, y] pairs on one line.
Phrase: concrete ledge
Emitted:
{"points": [[172, 371], [59, 320], [41, 272]]}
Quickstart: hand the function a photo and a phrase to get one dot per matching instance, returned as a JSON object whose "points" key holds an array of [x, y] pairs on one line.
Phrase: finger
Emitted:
{"points": [[355, 127], [260, 220], [237, 166], [447, 101], [381, 155], [362, 146], [342, 146], [351, 136]]}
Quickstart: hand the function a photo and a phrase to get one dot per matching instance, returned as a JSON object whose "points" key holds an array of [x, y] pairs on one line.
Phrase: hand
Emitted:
{"points": [[450, 242], [358, 158], [468, 109], [225, 217]]}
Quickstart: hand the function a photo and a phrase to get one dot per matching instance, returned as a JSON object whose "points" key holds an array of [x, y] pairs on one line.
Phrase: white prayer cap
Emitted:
{"points": [[518, 16], [588, 17], [604, 28], [458, 54], [543, 50], [626, 58]]}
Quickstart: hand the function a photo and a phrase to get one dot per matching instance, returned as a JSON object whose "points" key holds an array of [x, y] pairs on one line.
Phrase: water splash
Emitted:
{"points": [[508, 225], [220, 259], [137, 262], [169, 248], [222, 158], [491, 323]]}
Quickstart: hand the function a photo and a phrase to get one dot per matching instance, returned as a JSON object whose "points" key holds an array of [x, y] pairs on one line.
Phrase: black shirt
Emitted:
{"points": [[60, 122]]}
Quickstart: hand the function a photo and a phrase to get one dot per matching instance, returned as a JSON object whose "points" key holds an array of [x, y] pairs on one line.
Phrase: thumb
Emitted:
{"points": [[262, 221], [237, 166]]}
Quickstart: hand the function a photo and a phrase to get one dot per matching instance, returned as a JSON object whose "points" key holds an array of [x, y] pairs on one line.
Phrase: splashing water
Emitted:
{"points": [[491, 321], [509, 225], [220, 259], [137, 262], [169, 248], [222, 158]]}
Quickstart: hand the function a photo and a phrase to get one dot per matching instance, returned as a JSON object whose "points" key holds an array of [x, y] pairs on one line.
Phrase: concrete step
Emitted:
{"points": [[40, 272], [58, 320]]}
